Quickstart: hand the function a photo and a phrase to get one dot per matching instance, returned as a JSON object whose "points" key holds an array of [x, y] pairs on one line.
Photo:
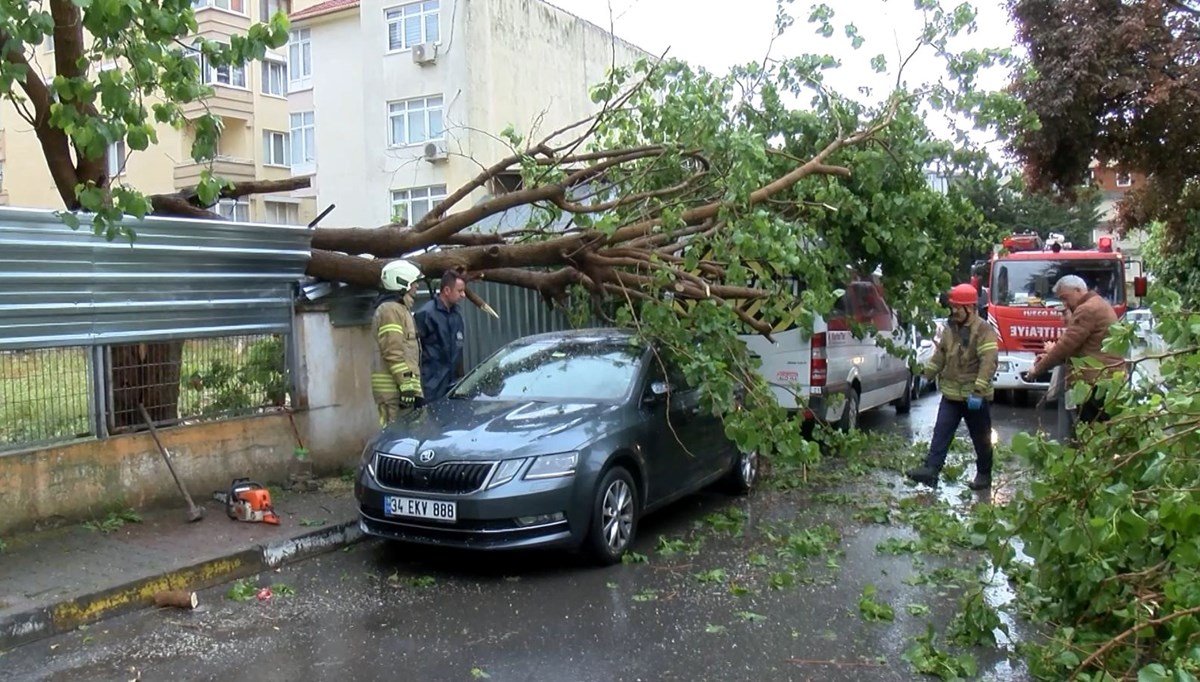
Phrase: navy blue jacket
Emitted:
{"points": [[441, 333]]}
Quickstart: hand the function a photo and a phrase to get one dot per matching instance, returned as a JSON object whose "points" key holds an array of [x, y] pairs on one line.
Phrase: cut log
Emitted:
{"points": [[181, 599]]}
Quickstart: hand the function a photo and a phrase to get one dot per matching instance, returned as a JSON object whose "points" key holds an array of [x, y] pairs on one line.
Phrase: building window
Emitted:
{"points": [[1124, 180], [229, 76], [1, 176], [116, 158], [238, 6], [237, 210], [274, 78], [416, 120], [268, 9], [304, 139], [49, 41], [413, 204], [281, 213], [413, 24], [275, 148], [300, 59]]}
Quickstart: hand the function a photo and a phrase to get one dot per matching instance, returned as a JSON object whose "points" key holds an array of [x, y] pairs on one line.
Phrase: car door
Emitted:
{"points": [[679, 429]]}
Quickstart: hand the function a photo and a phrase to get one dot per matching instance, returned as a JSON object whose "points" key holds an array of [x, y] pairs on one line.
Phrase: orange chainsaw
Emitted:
{"points": [[248, 501]]}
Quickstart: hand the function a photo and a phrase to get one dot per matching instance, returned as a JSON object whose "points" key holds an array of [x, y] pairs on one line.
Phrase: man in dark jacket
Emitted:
{"points": [[964, 364], [440, 326]]}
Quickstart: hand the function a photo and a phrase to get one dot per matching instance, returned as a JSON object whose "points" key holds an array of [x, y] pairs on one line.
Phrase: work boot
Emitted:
{"points": [[924, 475], [981, 482]]}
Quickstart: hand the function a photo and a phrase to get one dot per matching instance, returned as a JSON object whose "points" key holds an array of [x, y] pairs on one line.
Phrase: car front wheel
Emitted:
{"points": [[614, 517], [741, 478]]}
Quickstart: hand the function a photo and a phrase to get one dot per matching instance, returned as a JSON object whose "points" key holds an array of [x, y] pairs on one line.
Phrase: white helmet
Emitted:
{"points": [[399, 275]]}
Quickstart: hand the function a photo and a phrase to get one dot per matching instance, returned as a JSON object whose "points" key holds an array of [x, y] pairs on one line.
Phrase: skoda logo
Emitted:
{"points": [[426, 456]]}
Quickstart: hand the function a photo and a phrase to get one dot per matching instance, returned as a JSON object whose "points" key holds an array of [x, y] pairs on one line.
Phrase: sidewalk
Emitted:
{"points": [[55, 580]]}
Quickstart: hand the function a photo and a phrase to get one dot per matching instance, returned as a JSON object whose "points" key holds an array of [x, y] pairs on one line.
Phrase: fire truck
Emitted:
{"points": [[1020, 304]]}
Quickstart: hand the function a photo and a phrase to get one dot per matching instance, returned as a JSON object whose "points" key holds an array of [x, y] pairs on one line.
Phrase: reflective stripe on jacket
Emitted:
{"points": [[965, 360], [396, 371]]}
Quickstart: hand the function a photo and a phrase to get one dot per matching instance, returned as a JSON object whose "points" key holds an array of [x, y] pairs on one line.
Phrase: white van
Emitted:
{"points": [[838, 375]]}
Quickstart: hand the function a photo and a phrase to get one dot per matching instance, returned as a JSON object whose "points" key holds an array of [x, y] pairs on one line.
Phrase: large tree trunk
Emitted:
{"points": [[146, 373]]}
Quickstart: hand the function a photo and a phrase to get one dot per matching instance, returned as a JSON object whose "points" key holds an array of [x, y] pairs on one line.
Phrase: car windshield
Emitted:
{"points": [[554, 371], [1030, 282]]}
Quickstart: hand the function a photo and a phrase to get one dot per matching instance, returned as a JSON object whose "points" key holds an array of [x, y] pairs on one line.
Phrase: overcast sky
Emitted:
{"points": [[716, 36]]}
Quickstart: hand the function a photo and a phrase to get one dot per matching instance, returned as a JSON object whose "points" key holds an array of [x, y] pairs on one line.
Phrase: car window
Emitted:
{"points": [[554, 371]]}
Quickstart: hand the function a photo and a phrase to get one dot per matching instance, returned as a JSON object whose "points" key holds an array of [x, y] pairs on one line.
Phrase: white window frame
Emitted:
{"points": [[117, 156], [395, 15], [293, 208], [299, 41], [216, 4], [400, 111], [431, 195], [1128, 179], [264, 11], [269, 159], [303, 159], [282, 72], [237, 210], [210, 75]]}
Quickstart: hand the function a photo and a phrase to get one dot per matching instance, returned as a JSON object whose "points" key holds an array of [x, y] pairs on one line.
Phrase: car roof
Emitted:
{"points": [[591, 334]]}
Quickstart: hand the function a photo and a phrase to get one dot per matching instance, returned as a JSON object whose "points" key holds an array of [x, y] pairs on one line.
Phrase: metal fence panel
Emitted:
{"points": [[181, 278], [45, 396]]}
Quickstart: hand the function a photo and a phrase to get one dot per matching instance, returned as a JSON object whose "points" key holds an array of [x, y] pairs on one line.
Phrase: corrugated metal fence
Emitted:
{"points": [[522, 312], [192, 320]]}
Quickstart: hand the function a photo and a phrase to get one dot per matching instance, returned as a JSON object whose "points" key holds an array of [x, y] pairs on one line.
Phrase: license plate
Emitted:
{"points": [[434, 510]]}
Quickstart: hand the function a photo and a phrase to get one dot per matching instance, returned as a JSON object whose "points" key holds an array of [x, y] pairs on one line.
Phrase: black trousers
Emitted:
{"points": [[979, 423]]}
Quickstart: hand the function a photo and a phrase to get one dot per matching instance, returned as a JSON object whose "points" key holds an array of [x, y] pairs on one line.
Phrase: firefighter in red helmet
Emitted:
{"points": [[964, 364]]}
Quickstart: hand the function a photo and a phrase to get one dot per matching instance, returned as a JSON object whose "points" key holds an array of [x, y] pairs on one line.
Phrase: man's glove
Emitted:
{"points": [[418, 401], [974, 402]]}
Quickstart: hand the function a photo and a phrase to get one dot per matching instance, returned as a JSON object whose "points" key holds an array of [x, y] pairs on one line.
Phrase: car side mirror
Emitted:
{"points": [[1140, 285], [658, 391]]}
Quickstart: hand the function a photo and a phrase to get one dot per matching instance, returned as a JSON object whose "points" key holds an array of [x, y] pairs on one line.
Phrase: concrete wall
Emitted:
{"points": [[334, 388], [82, 480]]}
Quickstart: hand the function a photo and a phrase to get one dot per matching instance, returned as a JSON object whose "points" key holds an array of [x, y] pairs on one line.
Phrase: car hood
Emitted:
{"points": [[493, 429]]}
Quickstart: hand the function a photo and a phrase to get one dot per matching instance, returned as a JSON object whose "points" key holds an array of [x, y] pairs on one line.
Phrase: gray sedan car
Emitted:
{"points": [[557, 440]]}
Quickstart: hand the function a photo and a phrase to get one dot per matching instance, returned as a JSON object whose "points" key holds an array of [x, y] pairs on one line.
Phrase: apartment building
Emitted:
{"points": [[251, 101], [395, 103]]}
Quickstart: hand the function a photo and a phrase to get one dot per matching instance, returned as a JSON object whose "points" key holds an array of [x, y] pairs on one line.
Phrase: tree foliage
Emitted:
{"points": [[1120, 82], [1110, 527]]}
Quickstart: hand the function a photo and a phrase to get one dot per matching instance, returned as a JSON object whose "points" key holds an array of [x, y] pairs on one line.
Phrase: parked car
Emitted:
{"points": [[556, 440], [835, 375]]}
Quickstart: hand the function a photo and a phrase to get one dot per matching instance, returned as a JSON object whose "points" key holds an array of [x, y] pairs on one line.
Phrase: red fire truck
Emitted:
{"points": [[1021, 306]]}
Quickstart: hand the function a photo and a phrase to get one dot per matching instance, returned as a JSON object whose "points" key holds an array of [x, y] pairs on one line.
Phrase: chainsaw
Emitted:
{"points": [[248, 501]]}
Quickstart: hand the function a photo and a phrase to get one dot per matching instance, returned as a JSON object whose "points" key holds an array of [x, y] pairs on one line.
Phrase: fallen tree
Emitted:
{"points": [[692, 206]]}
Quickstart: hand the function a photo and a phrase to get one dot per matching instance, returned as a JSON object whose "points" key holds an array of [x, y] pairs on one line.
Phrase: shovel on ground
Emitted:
{"points": [[194, 513]]}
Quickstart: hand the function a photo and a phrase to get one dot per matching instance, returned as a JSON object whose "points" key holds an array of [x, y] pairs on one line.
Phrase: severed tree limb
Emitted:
{"points": [[187, 203]]}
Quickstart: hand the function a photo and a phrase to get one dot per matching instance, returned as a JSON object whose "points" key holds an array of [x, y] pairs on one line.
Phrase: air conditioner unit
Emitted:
{"points": [[435, 151], [424, 53]]}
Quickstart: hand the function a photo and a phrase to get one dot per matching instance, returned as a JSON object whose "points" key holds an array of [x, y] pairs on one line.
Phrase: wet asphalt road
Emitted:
{"points": [[739, 606]]}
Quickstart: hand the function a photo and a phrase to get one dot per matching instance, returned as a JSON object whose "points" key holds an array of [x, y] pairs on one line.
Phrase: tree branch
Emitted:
{"points": [[55, 143]]}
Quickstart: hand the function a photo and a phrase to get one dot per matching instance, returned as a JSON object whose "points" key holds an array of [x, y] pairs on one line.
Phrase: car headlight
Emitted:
{"points": [[506, 472], [552, 466], [364, 460]]}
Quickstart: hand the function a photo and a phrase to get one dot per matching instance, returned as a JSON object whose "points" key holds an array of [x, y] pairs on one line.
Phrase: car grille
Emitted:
{"points": [[448, 477]]}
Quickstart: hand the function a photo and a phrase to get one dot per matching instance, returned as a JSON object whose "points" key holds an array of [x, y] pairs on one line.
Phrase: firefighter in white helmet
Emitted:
{"points": [[396, 375]]}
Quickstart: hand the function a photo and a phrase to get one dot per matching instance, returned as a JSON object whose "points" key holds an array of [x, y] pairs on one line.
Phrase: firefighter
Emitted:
{"points": [[396, 375], [964, 364]]}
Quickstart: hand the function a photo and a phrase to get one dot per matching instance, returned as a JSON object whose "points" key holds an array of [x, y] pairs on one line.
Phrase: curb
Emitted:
{"points": [[48, 621]]}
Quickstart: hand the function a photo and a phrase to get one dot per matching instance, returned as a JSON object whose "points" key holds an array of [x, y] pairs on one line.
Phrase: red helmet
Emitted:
{"points": [[964, 294]]}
